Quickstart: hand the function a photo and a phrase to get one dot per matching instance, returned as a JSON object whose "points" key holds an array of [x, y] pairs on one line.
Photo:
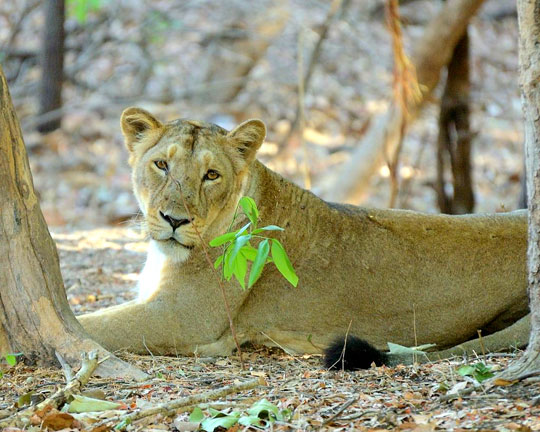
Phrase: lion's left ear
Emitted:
{"points": [[247, 138]]}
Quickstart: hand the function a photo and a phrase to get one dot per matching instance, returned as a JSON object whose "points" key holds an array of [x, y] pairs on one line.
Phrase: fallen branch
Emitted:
{"points": [[340, 410], [456, 395], [180, 404]]}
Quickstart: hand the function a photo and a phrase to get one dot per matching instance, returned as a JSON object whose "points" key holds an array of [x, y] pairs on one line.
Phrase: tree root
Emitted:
{"points": [[89, 365], [526, 367]]}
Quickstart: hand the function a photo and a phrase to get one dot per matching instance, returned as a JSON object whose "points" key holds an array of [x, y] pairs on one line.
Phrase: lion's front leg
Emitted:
{"points": [[126, 326], [143, 327]]}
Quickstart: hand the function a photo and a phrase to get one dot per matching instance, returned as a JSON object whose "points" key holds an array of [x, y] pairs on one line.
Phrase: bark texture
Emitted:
{"points": [[454, 142], [35, 318], [52, 63], [433, 51], [529, 64]]}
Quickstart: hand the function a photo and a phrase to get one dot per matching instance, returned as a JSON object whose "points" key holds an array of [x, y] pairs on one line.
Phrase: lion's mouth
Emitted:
{"points": [[172, 240]]}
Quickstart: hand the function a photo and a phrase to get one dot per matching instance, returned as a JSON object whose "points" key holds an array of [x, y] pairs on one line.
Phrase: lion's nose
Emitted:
{"points": [[173, 222]]}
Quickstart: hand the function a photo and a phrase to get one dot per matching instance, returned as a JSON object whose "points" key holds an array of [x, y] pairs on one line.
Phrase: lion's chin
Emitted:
{"points": [[173, 249]]}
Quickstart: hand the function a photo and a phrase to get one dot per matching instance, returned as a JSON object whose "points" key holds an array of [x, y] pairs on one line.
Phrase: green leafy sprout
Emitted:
{"points": [[479, 371], [10, 359], [261, 414], [238, 251]]}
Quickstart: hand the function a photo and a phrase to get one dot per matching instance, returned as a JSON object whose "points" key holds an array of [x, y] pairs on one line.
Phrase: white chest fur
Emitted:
{"points": [[151, 274]]}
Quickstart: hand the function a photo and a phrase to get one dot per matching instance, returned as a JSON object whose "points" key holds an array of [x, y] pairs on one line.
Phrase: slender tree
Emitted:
{"points": [[454, 142], [35, 318], [52, 63], [529, 67]]}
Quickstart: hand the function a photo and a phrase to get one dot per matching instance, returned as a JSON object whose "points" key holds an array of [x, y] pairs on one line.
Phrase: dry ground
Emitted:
{"points": [[99, 268]]}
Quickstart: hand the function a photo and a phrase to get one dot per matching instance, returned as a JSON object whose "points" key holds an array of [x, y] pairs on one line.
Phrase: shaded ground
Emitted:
{"points": [[99, 268]]}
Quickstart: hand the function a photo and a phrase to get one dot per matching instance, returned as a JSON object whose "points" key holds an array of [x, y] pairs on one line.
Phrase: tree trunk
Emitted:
{"points": [[529, 66], [454, 142], [522, 201], [432, 52], [35, 318], [52, 63]]}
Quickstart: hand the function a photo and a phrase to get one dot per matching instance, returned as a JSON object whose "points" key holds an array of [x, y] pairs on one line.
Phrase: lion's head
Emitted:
{"points": [[187, 176]]}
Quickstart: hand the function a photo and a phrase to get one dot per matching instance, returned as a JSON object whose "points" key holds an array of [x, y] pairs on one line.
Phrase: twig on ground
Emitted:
{"points": [[284, 349], [481, 341], [456, 395], [357, 416], [180, 404], [342, 408], [342, 356], [68, 372]]}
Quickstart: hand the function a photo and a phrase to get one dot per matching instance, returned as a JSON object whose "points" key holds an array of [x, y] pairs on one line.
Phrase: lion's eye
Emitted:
{"points": [[211, 175], [162, 165]]}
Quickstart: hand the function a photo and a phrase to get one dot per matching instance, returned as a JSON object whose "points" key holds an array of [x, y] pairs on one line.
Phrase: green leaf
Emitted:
{"points": [[241, 230], [259, 262], [249, 252], [11, 359], [252, 421], [240, 269], [236, 246], [480, 372], [282, 262], [250, 209], [482, 376], [266, 410], [222, 239], [466, 370], [81, 404], [196, 415], [123, 424], [25, 399], [220, 420], [268, 228], [218, 261]]}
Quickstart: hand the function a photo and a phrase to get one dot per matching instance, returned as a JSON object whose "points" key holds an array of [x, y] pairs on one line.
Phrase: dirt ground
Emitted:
{"points": [[99, 268]]}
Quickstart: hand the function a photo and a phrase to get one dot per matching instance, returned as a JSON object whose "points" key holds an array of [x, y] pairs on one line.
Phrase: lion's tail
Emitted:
{"points": [[352, 353]]}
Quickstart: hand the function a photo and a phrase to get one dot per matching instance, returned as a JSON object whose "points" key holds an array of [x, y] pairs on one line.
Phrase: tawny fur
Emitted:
{"points": [[393, 275]]}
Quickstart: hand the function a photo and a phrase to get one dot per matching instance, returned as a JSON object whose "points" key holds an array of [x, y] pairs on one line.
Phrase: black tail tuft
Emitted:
{"points": [[358, 354]]}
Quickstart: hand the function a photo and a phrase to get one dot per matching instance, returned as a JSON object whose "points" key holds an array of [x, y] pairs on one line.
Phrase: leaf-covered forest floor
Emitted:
{"points": [[157, 54], [99, 267]]}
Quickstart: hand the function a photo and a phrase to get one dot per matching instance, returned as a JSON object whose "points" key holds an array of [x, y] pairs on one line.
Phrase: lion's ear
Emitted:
{"points": [[247, 138], [135, 122]]}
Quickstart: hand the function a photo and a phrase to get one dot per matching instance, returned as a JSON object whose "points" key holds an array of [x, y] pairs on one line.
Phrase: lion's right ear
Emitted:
{"points": [[135, 122]]}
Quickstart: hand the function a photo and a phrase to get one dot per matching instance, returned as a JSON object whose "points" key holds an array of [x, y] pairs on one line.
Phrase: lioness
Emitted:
{"points": [[383, 275]]}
